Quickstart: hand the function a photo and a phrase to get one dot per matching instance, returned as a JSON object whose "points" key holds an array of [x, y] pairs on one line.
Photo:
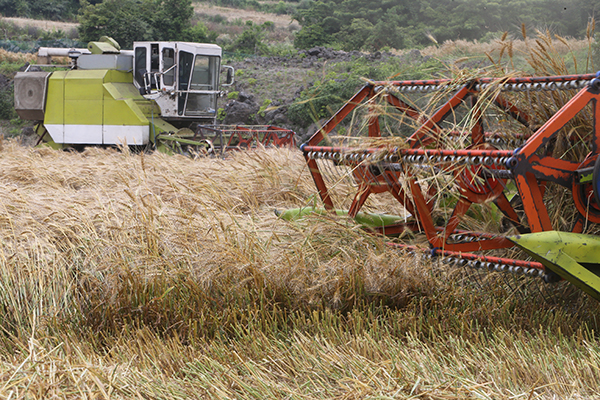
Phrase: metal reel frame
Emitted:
{"points": [[529, 166]]}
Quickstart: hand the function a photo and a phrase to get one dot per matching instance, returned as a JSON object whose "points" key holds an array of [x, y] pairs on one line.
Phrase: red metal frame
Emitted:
{"points": [[530, 166], [237, 137]]}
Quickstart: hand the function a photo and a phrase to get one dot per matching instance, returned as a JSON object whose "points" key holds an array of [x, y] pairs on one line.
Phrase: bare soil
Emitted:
{"points": [[42, 24], [280, 21]]}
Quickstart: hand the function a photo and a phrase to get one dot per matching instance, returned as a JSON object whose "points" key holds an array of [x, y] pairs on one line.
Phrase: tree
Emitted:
{"points": [[199, 33], [48, 9], [251, 40], [354, 36], [127, 21], [172, 19], [310, 36], [14, 8]]}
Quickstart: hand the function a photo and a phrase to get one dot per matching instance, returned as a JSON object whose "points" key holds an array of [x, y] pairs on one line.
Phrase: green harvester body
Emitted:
{"points": [[110, 96]]}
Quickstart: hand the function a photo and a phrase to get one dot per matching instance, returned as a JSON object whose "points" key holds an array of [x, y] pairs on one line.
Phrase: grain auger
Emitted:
{"points": [[495, 173]]}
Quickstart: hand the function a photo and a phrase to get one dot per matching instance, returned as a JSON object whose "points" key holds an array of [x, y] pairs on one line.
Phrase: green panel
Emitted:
{"points": [[149, 108], [118, 112], [365, 219], [55, 99], [102, 48], [564, 253], [122, 91], [84, 84], [84, 97], [123, 105], [119, 108], [119, 77], [83, 112], [159, 125]]}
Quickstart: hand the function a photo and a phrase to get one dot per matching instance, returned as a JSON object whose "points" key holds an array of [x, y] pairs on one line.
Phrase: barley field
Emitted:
{"points": [[150, 276]]}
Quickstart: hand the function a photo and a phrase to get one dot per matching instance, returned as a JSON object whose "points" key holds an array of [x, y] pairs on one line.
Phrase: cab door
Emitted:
{"points": [[141, 62], [168, 66], [197, 81], [154, 66], [185, 62]]}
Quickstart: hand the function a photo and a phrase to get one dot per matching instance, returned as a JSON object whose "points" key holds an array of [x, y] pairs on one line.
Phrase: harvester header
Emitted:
{"points": [[481, 168]]}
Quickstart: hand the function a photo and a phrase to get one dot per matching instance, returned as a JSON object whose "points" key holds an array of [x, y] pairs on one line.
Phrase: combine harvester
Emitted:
{"points": [[160, 95], [516, 158]]}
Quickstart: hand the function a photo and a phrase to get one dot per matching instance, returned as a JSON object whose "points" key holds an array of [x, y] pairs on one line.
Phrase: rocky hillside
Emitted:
{"points": [[267, 86]]}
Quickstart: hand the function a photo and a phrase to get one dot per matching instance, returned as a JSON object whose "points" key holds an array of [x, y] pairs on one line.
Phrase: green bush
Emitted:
{"points": [[282, 49], [251, 40], [311, 36], [7, 106], [221, 114], [199, 33], [263, 109], [284, 8], [47, 9]]}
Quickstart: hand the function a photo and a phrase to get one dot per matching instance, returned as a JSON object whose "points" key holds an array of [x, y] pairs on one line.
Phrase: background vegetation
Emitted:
{"points": [[352, 24], [43, 9], [342, 24]]}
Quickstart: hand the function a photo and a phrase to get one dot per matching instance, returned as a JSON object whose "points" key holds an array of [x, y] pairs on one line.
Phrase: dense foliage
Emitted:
{"points": [[129, 20], [343, 24], [354, 24], [251, 40], [7, 109], [68, 9], [49, 9]]}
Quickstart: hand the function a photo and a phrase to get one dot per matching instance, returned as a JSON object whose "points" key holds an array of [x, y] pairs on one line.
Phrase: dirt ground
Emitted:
{"points": [[42, 24], [280, 21]]}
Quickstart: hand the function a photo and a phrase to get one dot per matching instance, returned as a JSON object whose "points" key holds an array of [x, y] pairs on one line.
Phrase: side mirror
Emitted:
{"points": [[230, 76]]}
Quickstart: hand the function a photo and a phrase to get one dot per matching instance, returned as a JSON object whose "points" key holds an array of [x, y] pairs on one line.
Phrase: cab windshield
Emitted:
{"points": [[203, 71], [197, 73]]}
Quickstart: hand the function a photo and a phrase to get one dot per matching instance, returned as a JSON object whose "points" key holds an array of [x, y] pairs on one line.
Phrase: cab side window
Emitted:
{"points": [[140, 65], [168, 56]]}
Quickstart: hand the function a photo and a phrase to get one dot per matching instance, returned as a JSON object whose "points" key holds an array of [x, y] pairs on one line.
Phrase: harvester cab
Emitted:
{"points": [[183, 78]]}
